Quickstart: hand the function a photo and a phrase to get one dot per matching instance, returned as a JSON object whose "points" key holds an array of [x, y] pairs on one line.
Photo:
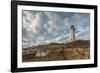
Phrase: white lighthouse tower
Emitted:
{"points": [[72, 33]]}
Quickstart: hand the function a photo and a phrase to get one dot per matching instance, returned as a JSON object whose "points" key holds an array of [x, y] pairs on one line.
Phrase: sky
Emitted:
{"points": [[42, 27]]}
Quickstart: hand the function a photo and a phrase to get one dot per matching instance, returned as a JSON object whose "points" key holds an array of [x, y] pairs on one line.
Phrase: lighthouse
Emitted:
{"points": [[72, 34]]}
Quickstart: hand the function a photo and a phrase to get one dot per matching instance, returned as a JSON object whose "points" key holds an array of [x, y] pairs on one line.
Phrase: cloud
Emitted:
{"points": [[24, 45], [53, 21], [77, 16], [29, 15], [68, 23], [36, 22], [46, 27]]}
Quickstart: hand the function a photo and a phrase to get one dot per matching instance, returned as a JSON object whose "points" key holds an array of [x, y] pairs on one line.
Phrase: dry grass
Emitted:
{"points": [[68, 54], [61, 52], [77, 53]]}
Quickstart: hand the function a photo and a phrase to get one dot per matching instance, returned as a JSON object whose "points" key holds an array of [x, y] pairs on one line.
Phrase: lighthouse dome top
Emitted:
{"points": [[72, 27]]}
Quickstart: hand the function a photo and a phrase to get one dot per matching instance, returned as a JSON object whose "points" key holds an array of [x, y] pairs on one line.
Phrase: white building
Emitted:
{"points": [[72, 34]]}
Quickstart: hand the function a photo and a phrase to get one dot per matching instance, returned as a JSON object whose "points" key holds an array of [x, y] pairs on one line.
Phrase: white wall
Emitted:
{"points": [[5, 37]]}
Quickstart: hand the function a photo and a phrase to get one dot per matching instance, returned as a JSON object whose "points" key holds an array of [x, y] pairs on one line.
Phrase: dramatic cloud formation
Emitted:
{"points": [[40, 27]]}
